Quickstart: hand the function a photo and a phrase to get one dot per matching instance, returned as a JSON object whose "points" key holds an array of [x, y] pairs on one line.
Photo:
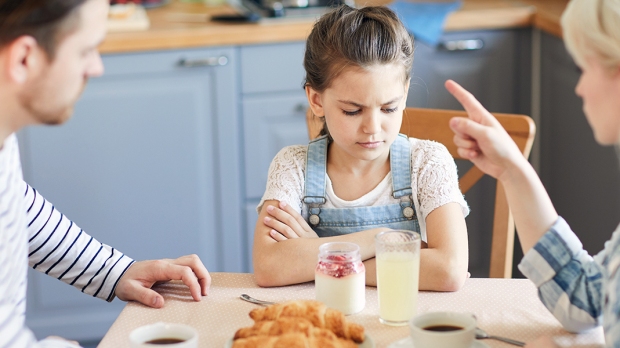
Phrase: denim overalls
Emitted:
{"points": [[328, 222]]}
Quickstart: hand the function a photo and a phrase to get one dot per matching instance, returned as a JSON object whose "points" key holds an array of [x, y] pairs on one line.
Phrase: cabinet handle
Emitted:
{"points": [[462, 45], [210, 61]]}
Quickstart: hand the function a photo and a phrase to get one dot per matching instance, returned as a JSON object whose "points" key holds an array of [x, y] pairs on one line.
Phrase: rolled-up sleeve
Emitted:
{"points": [[569, 280]]}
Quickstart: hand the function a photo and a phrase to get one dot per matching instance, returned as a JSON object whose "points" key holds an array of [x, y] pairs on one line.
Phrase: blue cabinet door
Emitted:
{"points": [[145, 166]]}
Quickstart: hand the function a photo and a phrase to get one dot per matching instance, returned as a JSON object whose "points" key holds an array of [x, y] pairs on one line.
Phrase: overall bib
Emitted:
{"points": [[328, 222]]}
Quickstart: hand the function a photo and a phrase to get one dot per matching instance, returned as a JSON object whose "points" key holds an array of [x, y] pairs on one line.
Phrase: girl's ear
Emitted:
{"points": [[315, 101]]}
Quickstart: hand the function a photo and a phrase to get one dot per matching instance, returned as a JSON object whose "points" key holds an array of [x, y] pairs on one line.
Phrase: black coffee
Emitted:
{"points": [[443, 328], [165, 341]]}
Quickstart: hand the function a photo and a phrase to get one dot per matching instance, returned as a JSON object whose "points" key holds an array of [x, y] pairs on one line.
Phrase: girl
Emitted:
{"points": [[582, 292], [360, 177]]}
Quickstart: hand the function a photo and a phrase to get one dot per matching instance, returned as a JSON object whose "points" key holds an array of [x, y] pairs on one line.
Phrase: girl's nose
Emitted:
{"points": [[372, 123]]}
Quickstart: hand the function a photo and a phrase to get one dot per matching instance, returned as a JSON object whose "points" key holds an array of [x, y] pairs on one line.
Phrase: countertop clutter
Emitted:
{"points": [[169, 30]]}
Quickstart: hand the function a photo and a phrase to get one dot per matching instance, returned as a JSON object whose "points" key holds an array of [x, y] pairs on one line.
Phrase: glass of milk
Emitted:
{"points": [[398, 273]]}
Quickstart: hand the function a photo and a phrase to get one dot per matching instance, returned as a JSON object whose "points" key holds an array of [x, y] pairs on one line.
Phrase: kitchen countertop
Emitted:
{"points": [[166, 33]]}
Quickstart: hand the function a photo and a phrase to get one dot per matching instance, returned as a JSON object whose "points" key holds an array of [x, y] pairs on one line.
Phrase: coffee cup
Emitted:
{"points": [[164, 335], [443, 330]]}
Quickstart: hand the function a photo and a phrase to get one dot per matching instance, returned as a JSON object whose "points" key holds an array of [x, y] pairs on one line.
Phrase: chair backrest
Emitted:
{"points": [[432, 124]]}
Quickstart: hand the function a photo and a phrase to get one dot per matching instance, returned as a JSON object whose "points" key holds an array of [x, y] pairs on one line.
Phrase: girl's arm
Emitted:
{"points": [[443, 264], [293, 260], [444, 261]]}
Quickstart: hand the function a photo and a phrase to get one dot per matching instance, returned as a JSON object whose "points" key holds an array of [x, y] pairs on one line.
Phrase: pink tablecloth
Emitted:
{"points": [[505, 307]]}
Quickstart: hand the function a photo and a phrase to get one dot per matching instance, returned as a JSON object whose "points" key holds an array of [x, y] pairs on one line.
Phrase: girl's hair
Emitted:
{"points": [[45, 20], [348, 37], [592, 28]]}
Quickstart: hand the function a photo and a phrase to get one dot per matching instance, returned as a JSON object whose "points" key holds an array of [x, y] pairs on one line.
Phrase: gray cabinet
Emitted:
{"points": [[273, 108], [149, 164], [580, 175]]}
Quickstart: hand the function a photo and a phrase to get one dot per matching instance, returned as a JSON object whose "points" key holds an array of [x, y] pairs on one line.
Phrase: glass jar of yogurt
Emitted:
{"points": [[340, 277]]}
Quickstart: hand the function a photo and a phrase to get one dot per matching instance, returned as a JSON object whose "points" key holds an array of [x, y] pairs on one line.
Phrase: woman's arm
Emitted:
{"points": [[293, 260]]}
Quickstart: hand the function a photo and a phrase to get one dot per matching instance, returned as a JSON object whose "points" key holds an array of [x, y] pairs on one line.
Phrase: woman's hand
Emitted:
{"points": [[286, 223], [481, 138]]}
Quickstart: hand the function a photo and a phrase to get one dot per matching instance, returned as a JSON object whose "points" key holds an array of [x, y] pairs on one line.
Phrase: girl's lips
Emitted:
{"points": [[371, 145]]}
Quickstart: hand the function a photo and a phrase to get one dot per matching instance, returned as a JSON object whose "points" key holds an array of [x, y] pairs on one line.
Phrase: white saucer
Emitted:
{"points": [[368, 343], [407, 343]]}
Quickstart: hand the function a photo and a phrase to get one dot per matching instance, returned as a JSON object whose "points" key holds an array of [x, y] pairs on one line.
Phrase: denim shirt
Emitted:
{"points": [[580, 290]]}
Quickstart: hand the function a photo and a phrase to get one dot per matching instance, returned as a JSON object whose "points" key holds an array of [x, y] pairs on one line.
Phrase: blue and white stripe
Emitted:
{"points": [[33, 232]]}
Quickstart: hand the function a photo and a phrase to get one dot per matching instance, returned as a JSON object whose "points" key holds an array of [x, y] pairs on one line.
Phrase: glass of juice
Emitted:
{"points": [[398, 273]]}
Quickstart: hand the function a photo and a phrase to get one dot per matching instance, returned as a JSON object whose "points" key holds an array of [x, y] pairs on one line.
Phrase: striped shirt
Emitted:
{"points": [[33, 232], [581, 291]]}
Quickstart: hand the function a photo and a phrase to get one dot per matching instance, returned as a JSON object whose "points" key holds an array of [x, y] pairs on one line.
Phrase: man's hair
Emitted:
{"points": [[47, 21]]}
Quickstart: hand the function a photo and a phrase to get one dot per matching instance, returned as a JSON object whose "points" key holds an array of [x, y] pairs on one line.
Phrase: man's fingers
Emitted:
{"points": [[145, 296], [199, 269], [185, 274]]}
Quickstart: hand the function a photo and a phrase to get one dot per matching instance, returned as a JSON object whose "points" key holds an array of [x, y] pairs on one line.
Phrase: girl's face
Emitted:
{"points": [[600, 90], [363, 109]]}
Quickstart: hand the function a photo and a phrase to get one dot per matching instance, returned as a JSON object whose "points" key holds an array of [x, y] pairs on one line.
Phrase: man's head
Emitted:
{"points": [[48, 50]]}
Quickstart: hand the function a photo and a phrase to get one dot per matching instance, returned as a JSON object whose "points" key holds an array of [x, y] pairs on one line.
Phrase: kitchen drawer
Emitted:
{"points": [[272, 68], [166, 61], [270, 123]]}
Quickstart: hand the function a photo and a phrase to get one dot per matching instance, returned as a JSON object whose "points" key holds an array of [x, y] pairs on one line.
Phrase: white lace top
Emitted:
{"points": [[434, 182]]}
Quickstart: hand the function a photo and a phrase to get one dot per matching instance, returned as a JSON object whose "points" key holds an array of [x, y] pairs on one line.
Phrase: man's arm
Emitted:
{"points": [[59, 248]]}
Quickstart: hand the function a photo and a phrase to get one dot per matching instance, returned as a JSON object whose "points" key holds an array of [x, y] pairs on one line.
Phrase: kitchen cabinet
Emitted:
{"points": [[149, 164], [273, 108], [580, 176]]}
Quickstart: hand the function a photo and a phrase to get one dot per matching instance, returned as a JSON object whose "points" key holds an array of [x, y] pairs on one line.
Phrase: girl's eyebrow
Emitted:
{"points": [[361, 106]]}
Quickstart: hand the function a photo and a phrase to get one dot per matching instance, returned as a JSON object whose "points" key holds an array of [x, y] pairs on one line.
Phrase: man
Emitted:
{"points": [[48, 50]]}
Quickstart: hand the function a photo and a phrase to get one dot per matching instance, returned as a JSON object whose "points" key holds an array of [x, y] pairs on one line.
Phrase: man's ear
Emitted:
{"points": [[24, 58], [315, 101]]}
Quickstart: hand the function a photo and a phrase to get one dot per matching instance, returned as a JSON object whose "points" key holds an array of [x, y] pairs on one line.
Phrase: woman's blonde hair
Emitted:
{"points": [[591, 28]]}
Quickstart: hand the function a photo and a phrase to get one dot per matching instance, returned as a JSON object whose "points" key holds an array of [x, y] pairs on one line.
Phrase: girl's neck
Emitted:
{"points": [[341, 162]]}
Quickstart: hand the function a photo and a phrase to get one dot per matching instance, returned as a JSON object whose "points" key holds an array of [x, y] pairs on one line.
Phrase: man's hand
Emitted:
{"points": [[136, 283], [287, 223]]}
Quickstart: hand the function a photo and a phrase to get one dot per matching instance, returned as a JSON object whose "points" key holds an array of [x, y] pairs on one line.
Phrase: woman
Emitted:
{"points": [[580, 290]]}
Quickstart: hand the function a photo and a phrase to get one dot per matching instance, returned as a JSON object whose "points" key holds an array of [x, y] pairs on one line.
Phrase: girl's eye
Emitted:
{"points": [[389, 111], [351, 113]]}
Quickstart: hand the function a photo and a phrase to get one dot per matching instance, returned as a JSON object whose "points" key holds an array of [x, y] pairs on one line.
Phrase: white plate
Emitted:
{"points": [[407, 343], [368, 343]]}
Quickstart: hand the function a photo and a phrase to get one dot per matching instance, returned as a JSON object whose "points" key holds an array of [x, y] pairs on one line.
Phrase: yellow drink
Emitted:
{"points": [[398, 275]]}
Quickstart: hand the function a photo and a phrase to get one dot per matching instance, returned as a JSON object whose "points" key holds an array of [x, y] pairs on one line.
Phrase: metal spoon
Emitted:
{"points": [[481, 334], [251, 299]]}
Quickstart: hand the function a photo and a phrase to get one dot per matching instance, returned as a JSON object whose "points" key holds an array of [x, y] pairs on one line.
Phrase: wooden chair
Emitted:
{"points": [[432, 124]]}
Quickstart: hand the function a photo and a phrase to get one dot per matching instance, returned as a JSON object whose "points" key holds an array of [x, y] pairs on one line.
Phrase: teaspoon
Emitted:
{"points": [[481, 334], [251, 299]]}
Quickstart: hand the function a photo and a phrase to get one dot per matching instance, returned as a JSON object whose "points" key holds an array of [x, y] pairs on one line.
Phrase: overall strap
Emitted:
{"points": [[400, 165], [316, 169]]}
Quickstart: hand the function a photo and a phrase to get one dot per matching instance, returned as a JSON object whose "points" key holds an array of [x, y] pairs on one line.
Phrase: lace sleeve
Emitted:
{"points": [[285, 181], [434, 170]]}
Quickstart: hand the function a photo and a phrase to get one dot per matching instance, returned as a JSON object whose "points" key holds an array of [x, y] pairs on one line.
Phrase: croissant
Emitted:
{"points": [[318, 314], [292, 340], [280, 326]]}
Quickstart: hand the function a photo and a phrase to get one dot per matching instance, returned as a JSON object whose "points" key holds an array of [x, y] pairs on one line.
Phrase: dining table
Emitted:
{"points": [[502, 307]]}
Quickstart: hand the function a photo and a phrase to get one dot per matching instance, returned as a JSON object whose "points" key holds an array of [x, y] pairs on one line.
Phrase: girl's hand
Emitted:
{"points": [[286, 223], [542, 342], [481, 138]]}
